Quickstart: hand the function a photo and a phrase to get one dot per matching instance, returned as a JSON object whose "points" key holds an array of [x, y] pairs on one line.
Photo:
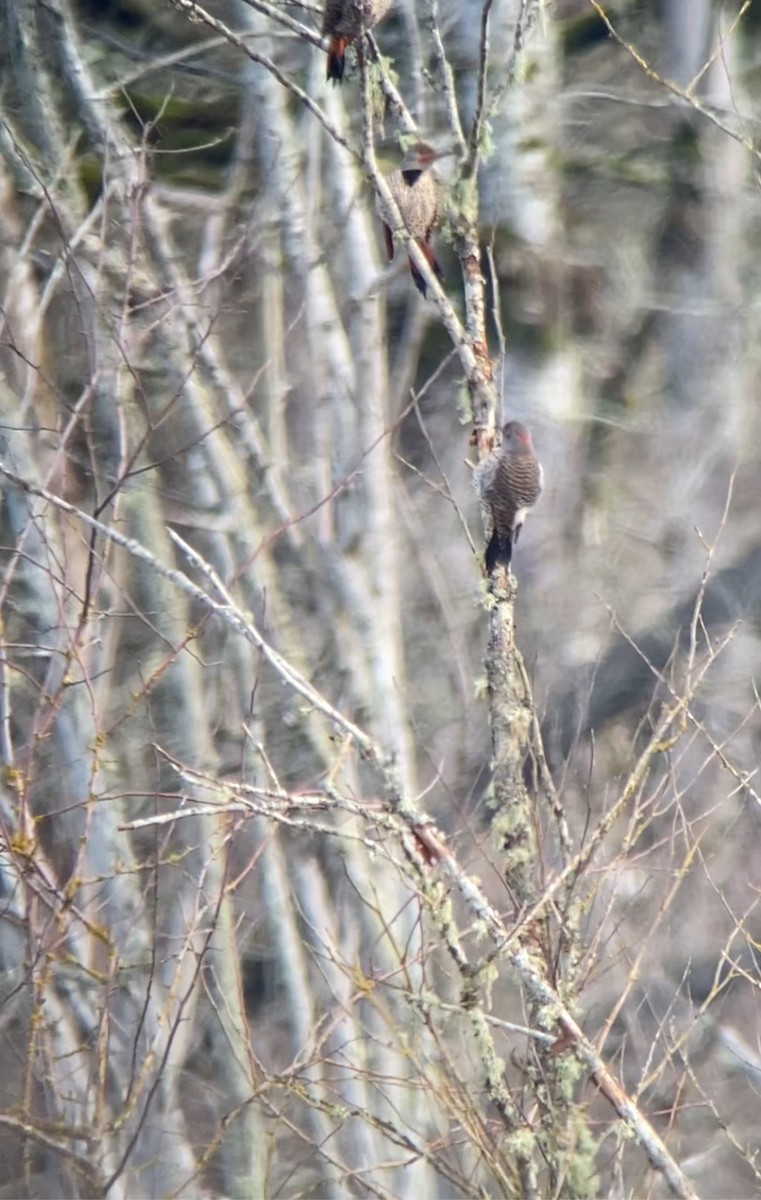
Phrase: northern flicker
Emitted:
{"points": [[415, 189], [342, 23], [514, 487]]}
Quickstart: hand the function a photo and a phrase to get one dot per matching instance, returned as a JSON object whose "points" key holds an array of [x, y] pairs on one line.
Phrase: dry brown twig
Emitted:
{"points": [[415, 822]]}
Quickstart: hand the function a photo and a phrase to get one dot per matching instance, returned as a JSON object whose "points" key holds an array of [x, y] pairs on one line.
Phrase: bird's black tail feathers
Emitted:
{"points": [[336, 59], [499, 550], [433, 263]]}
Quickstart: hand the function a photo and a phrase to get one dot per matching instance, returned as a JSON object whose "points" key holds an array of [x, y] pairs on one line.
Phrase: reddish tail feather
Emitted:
{"points": [[388, 237], [336, 58], [433, 263]]}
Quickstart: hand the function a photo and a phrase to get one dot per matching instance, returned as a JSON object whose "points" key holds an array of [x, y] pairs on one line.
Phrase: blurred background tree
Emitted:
{"points": [[244, 622]]}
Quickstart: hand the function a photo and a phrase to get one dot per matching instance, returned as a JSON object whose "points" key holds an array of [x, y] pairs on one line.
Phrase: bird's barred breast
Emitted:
{"points": [[518, 481]]}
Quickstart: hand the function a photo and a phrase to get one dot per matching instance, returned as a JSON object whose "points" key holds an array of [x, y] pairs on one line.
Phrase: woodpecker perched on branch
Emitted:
{"points": [[343, 22], [513, 487], [415, 189]]}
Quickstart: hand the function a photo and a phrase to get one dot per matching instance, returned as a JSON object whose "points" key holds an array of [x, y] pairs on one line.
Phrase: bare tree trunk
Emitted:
{"points": [[244, 950]]}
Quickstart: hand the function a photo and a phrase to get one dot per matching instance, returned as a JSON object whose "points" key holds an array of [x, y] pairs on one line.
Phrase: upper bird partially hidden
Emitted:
{"points": [[343, 22], [514, 487], [415, 189]]}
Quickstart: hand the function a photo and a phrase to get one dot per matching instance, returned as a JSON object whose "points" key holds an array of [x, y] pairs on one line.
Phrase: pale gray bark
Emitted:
{"points": [[242, 613]]}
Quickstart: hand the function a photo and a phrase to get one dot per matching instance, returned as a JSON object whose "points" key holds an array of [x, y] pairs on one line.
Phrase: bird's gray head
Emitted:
{"points": [[419, 156], [516, 437]]}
